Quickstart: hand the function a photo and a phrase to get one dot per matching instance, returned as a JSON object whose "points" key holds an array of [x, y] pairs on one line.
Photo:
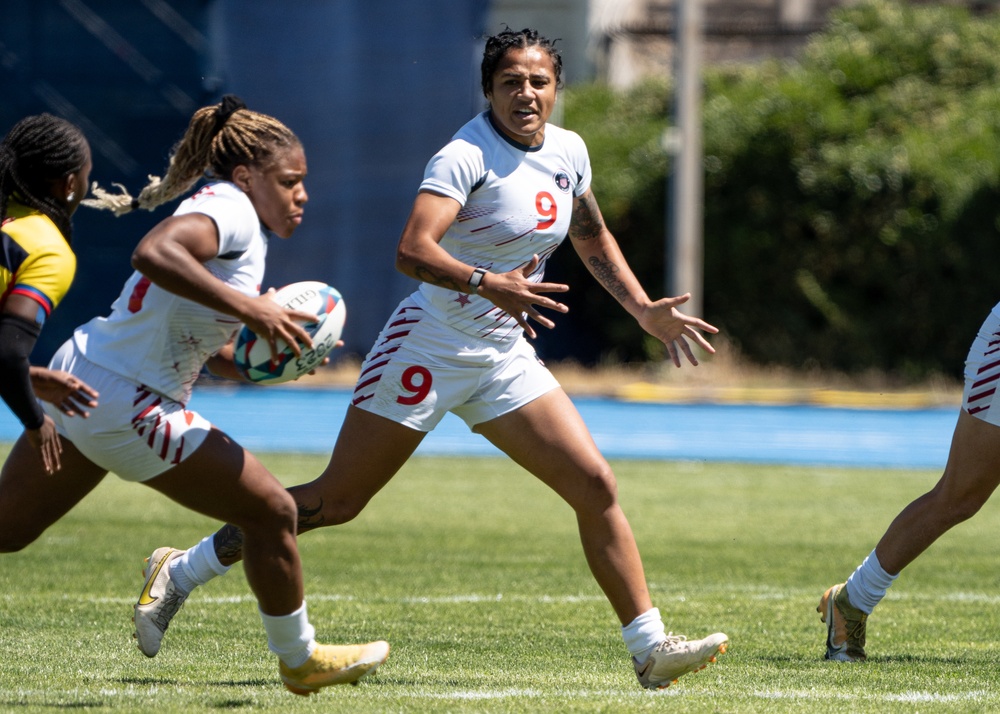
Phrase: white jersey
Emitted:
{"points": [[161, 340], [516, 203]]}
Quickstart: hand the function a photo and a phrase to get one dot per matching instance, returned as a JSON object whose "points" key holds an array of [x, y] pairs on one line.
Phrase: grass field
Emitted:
{"points": [[474, 573]]}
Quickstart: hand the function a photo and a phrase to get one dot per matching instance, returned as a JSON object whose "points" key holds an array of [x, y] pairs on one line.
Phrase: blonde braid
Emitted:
{"points": [[246, 137]]}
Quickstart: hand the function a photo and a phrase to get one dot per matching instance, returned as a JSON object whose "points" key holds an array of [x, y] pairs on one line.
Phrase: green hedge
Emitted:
{"points": [[851, 196]]}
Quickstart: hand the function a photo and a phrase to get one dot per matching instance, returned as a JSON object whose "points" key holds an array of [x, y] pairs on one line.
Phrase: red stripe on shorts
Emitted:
{"points": [[166, 441], [142, 415]]}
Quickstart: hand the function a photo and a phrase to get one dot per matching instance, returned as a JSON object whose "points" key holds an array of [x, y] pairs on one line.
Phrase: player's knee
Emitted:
{"points": [[965, 509], [276, 512], [285, 509], [954, 506], [600, 491]]}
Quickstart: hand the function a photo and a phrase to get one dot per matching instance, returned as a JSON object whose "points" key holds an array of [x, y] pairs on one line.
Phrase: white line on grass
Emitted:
{"points": [[679, 691], [130, 692], [441, 600], [918, 697], [762, 594], [558, 599]]}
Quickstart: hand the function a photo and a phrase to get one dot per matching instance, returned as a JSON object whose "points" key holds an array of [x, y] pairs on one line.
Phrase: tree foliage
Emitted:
{"points": [[851, 196]]}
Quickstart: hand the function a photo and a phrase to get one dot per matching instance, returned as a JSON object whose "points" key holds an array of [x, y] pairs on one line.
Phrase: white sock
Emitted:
{"points": [[290, 636], [197, 566], [643, 634], [867, 585]]}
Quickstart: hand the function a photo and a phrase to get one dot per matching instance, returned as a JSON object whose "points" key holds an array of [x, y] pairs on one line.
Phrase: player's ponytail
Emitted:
{"points": [[219, 138]]}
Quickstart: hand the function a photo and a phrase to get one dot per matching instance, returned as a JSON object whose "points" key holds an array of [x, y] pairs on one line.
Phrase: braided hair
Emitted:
{"points": [[498, 44], [219, 138], [38, 150]]}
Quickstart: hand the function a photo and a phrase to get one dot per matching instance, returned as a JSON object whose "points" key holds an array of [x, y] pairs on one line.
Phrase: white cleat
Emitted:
{"points": [[677, 656], [158, 602]]}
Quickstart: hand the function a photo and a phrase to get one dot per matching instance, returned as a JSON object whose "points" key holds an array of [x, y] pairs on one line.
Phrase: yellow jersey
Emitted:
{"points": [[35, 259]]}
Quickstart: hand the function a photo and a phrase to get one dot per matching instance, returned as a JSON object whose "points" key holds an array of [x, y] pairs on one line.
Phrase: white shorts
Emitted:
{"points": [[982, 372], [420, 369], [133, 432]]}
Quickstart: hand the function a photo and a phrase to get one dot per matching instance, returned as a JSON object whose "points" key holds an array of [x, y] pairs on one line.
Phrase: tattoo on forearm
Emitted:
{"points": [[586, 222], [442, 281], [606, 273], [228, 541]]}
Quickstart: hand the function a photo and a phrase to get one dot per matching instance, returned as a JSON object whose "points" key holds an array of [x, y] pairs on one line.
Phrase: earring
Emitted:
{"points": [[70, 196]]}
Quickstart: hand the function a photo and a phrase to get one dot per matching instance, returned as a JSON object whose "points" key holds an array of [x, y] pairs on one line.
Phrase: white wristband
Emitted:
{"points": [[476, 280]]}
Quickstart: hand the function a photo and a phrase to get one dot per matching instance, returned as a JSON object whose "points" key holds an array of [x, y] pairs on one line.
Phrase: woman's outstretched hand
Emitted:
{"points": [[665, 322]]}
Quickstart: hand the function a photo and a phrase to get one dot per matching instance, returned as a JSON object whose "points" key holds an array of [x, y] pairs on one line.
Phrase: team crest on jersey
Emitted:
{"points": [[561, 179]]}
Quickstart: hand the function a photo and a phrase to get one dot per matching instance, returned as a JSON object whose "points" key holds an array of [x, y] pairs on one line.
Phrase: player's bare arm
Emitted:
{"points": [[419, 254], [606, 273], [600, 252], [173, 254], [587, 222], [587, 225], [442, 281]]}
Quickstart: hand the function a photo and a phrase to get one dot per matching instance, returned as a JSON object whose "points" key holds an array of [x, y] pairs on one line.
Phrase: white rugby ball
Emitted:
{"points": [[253, 355]]}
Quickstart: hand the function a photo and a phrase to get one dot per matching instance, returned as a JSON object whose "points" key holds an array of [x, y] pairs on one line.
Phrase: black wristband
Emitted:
{"points": [[17, 339], [476, 280]]}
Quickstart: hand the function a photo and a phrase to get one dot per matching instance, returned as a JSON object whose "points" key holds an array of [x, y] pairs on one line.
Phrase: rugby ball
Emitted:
{"points": [[253, 355]]}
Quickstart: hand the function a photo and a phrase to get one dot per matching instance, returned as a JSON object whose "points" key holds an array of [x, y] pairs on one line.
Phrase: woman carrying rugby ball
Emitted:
{"points": [[197, 278]]}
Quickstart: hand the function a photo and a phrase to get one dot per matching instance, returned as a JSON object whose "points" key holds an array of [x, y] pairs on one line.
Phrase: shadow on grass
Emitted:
{"points": [[787, 660], [146, 681], [911, 659], [233, 704], [8, 705], [248, 683]]}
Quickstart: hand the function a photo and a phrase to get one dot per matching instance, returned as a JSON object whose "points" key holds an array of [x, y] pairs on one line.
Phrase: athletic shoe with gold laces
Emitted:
{"points": [[677, 656], [845, 626], [158, 602], [334, 664]]}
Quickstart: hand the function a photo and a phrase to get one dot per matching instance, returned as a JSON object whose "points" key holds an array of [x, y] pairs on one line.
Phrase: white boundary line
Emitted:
{"points": [[761, 593]]}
